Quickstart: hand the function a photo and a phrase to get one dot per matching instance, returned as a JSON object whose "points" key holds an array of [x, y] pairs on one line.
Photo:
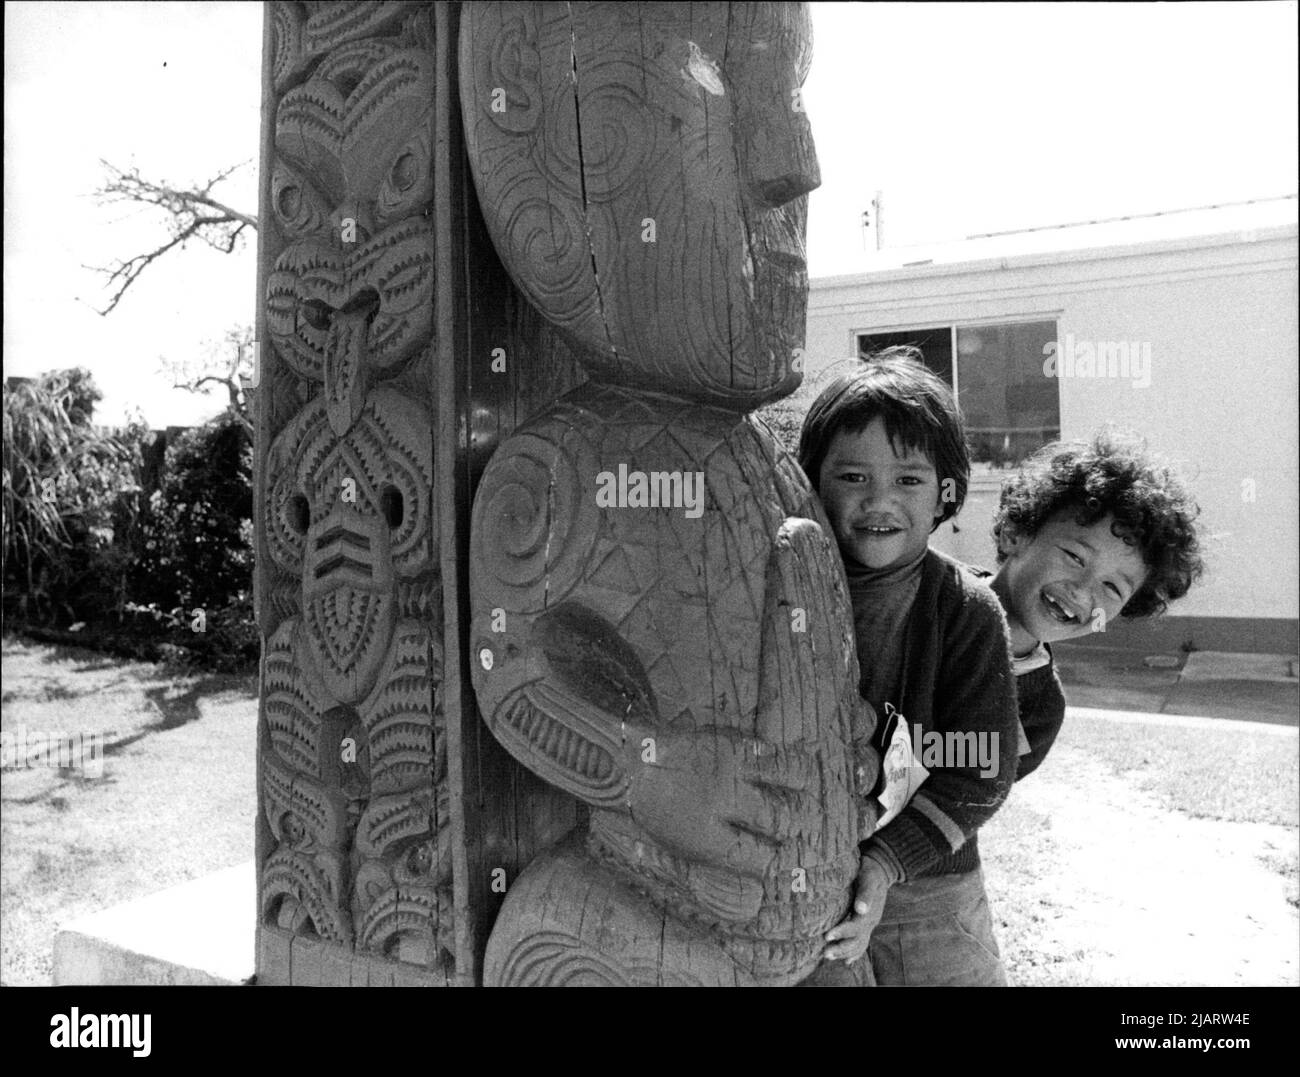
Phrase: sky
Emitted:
{"points": [[969, 118]]}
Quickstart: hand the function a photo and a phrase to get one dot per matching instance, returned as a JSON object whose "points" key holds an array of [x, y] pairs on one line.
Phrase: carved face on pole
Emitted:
{"points": [[351, 298], [351, 516], [643, 169]]}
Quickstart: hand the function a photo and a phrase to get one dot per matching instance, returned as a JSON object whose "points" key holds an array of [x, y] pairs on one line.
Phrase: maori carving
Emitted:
{"points": [[612, 161], [353, 758], [690, 675], [352, 298], [306, 31], [361, 832]]}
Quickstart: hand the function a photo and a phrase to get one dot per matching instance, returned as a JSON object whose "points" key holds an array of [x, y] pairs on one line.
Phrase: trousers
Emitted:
{"points": [[935, 932]]}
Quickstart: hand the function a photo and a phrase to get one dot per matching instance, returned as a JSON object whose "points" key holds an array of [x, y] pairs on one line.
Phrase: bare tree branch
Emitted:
{"points": [[193, 213], [231, 359]]}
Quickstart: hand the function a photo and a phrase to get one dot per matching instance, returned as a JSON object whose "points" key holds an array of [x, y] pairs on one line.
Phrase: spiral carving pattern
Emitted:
{"points": [[535, 522], [549, 239]]}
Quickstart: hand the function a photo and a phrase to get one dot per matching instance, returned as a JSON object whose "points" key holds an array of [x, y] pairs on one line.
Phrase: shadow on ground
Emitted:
{"points": [[123, 701]]}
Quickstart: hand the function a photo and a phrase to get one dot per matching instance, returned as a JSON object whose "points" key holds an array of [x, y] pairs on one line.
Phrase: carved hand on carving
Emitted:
{"points": [[714, 796]]}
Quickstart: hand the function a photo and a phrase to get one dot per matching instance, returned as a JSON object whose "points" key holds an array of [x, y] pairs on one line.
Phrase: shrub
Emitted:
{"points": [[785, 416], [226, 639], [196, 548], [68, 490]]}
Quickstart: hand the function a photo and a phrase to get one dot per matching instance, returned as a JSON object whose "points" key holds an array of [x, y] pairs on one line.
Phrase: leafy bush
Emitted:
{"points": [[785, 416], [223, 638], [196, 542], [84, 547], [231, 640], [785, 419], [69, 490]]}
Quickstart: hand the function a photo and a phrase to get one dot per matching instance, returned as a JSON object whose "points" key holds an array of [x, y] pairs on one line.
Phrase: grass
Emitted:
{"points": [[1136, 854], [1021, 863], [1150, 854], [175, 800], [1286, 864], [1232, 773]]}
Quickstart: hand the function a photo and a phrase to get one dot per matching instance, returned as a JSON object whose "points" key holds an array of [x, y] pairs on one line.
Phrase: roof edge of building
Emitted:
{"points": [[997, 263]]}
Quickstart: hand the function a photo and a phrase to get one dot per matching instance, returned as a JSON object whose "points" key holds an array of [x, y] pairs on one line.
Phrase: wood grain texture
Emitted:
{"points": [[503, 815], [385, 298], [690, 675], [383, 816], [355, 857]]}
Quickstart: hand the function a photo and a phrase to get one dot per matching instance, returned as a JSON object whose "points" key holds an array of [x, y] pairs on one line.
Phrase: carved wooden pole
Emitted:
{"points": [[653, 619], [389, 822], [660, 624]]}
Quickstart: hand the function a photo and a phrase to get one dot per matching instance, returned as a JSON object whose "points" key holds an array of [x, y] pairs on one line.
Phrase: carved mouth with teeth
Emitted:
{"points": [[565, 748]]}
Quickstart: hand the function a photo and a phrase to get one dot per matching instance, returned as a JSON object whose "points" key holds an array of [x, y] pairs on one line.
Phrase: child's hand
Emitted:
{"points": [[850, 937]]}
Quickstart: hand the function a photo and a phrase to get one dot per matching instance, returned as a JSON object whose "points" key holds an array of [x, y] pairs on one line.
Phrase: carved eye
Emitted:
{"points": [[292, 829], [420, 859], [392, 506], [289, 202], [299, 513], [405, 172], [408, 183], [297, 205]]}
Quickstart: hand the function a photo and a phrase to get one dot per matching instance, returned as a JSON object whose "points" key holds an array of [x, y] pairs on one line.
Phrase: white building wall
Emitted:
{"points": [[1220, 314]]}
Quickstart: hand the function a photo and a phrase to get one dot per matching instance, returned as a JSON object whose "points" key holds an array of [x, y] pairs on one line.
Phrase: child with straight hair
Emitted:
{"points": [[885, 449]]}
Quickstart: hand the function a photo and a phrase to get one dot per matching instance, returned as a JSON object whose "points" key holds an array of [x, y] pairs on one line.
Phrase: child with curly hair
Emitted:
{"points": [[1086, 532]]}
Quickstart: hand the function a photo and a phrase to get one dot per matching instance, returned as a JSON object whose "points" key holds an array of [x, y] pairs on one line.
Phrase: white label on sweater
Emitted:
{"points": [[903, 773], [1023, 747]]}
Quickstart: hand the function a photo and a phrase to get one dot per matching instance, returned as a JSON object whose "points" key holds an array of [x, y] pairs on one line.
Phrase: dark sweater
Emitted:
{"points": [[881, 601], [956, 679], [1042, 710], [1041, 702]]}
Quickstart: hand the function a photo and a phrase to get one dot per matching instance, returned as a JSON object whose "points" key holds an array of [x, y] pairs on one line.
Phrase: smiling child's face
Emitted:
{"points": [[881, 504], [1054, 583]]}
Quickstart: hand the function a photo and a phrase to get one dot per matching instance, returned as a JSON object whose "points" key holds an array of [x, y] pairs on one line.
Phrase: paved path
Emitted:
{"points": [[1187, 721], [1206, 684]]}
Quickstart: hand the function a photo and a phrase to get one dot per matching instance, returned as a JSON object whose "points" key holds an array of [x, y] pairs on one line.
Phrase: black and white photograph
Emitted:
{"points": [[652, 495]]}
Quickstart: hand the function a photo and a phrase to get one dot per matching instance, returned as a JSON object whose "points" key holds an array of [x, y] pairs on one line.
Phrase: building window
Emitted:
{"points": [[1011, 409], [935, 345]]}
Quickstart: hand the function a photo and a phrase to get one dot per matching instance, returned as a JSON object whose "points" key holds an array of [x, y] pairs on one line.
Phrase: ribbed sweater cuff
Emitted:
{"points": [[883, 856], [907, 845]]}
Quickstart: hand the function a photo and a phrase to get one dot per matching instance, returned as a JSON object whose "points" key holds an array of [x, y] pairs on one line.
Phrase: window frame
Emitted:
{"points": [[953, 325]]}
